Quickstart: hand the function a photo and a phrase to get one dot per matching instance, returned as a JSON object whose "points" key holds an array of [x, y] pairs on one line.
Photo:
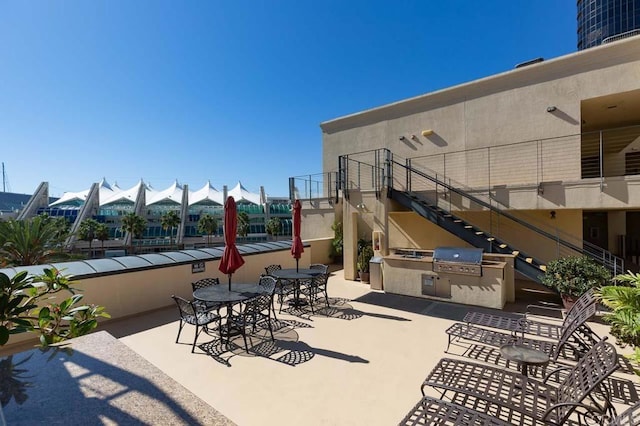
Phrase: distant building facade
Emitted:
{"points": [[108, 204], [599, 20]]}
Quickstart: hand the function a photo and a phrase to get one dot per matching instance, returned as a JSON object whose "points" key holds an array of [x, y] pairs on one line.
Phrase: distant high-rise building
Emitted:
{"points": [[599, 20]]}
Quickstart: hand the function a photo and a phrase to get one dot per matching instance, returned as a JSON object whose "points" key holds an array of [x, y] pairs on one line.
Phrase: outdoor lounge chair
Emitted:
{"points": [[574, 341], [433, 411], [519, 399], [194, 314], [526, 325], [430, 411]]}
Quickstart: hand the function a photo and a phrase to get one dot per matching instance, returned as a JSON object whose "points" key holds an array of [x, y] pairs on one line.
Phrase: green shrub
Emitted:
{"points": [[574, 275], [623, 300]]}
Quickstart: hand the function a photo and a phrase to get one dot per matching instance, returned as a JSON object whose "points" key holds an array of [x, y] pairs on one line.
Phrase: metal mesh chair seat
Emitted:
{"points": [[629, 417], [432, 411], [194, 314], [529, 326], [517, 398]]}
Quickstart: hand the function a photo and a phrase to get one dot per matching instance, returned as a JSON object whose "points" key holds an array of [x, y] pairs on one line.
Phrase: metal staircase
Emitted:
{"points": [[452, 208]]}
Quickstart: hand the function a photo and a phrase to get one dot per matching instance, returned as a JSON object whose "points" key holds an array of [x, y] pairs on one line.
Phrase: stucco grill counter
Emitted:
{"points": [[453, 274]]}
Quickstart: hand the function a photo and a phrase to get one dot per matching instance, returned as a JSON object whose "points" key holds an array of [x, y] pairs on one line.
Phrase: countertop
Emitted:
{"points": [[95, 380]]}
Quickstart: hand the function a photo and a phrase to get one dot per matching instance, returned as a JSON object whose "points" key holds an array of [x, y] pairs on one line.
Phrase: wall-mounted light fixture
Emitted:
{"points": [[551, 108], [361, 206], [415, 138], [402, 138], [552, 214], [427, 132]]}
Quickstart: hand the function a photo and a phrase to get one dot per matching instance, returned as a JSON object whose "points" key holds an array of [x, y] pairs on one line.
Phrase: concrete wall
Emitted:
{"points": [[496, 111], [133, 293]]}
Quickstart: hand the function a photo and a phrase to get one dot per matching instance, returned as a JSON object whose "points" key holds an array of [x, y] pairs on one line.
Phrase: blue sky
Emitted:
{"points": [[234, 90]]}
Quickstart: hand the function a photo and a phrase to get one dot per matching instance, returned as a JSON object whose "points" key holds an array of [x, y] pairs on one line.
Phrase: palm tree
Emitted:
{"points": [[169, 221], [32, 241], [134, 225], [207, 225], [87, 230], [274, 226], [243, 224], [102, 233]]}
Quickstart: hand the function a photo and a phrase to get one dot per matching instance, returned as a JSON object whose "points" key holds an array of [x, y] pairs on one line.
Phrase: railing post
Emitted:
{"points": [[408, 175], [292, 186], [601, 164]]}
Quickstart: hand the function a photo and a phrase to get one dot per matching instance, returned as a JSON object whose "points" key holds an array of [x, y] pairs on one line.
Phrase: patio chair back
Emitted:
{"points": [[584, 301], [319, 266], [205, 282], [585, 377], [576, 334], [272, 268], [268, 284]]}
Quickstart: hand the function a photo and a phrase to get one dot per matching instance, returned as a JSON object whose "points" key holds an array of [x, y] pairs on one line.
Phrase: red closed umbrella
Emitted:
{"points": [[231, 259], [297, 248]]}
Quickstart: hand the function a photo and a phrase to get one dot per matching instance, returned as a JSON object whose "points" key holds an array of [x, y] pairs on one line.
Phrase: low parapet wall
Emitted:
{"points": [[135, 290]]}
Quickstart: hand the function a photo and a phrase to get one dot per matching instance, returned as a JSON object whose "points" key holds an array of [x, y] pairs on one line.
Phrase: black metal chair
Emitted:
{"points": [[272, 268], [255, 310], [269, 285], [284, 288], [207, 282], [191, 313], [316, 286]]}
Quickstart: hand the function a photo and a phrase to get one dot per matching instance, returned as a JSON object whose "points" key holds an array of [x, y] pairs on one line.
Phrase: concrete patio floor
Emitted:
{"points": [[362, 364]]}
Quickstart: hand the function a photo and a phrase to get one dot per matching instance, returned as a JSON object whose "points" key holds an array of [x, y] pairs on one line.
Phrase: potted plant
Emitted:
{"points": [[336, 243], [623, 300], [365, 253], [572, 276]]}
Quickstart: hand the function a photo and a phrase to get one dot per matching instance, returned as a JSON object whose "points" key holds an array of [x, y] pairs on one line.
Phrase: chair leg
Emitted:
{"points": [[273, 308], [269, 325], [195, 339], [179, 330]]}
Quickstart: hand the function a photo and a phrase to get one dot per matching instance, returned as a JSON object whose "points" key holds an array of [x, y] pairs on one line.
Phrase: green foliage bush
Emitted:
{"points": [[365, 253], [574, 275], [623, 300], [24, 308]]}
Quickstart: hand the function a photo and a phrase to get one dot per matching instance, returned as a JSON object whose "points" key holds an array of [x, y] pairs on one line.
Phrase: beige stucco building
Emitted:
{"points": [[544, 159]]}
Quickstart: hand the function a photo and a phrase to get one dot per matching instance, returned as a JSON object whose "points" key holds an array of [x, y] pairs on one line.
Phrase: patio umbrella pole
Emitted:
{"points": [[229, 282], [297, 260]]}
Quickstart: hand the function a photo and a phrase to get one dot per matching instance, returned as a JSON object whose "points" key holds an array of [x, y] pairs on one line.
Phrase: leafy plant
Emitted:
{"points": [[169, 221], [32, 241], [102, 233], [337, 242], [243, 224], [274, 226], [574, 275], [134, 225], [88, 230], [24, 308], [207, 224], [365, 253], [624, 302]]}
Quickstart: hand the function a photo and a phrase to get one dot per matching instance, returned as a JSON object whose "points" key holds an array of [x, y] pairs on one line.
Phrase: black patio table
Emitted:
{"points": [[221, 294], [296, 276]]}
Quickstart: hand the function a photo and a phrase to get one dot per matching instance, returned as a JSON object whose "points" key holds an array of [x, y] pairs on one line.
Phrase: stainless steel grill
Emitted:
{"points": [[458, 260]]}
